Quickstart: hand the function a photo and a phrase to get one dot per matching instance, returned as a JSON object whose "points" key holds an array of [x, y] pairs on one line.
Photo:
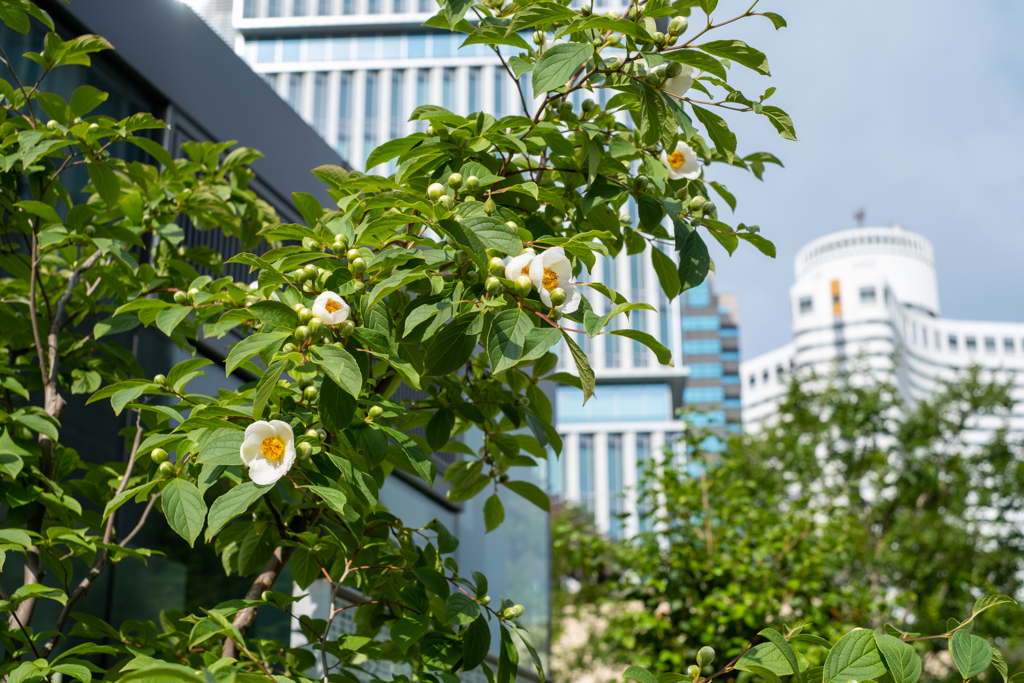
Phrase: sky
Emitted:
{"points": [[910, 109]]}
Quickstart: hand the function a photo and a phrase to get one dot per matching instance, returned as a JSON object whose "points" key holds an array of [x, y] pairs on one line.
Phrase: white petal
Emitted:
{"points": [[254, 436], [517, 265], [572, 298], [681, 83], [283, 431], [320, 311], [263, 473]]}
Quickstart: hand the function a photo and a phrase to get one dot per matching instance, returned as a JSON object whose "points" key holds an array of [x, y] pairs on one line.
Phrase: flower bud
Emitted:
{"points": [[673, 69], [338, 248], [166, 470], [435, 191], [613, 41], [538, 37], [357, 266], [352, 254], [316, 328], [492, 285], [705, 656], [180, 297], [358, 286], [693, 671], [612, 14], [634, 13], [289, 348], [265, 596], [523, 285], [192, 294], [672, 39], [490, 207], [342, 240], [455, 181], [159, 379], [310, 243], [447, 202], [654, 79], [486, 600], [496, 265], [301, 333], [557, 296], [659, 38], [471, 277], [159, 456], [304, 449], [347, 328], [461, 257], [556, 313], [431, 131], [312, 272], [51, 124], [375, 412], [697, 203], [472, 183], [588, 105], [512, 224], [514, 612], [640, 184], [678, 25], [310, 394], [585, 10]]}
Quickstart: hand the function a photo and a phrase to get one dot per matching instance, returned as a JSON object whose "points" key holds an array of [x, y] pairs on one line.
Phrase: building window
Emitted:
{"points": [[643, 456], [316, 49], [753, 381], [442, 45], [698, 347], [971, 343], [697, 323], [424, 6], [399, 7], [699, 296], [705, 370], [729, 333], [366, 47], [703, 395], [952, 342], [422, 92], [370, 112], [474, 88], [499, 92], [990, 344], [867, 295], [295, 91], [1008, 346], [447, 86], [397, 103], [764, 376], [342, 48], [730, 380], [586, 458], [416, 45], [274, 8], [345, 115], [806, 305], [348, 6], [611, 341], [373, 6], [924, 336], [938, 340], [249, 9], [730, 355], [290, 49], [298, 8], [323, 8], [615, 506], [266, 51], [320, 103]]}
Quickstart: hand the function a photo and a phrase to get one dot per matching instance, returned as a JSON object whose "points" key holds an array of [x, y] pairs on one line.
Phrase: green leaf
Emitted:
{"points": [[337, 406], [781, 120], [698, 60], [718, 130], [538, 341], [163, 672], [508, 657], [854, 658], [639, 674], [506, 338], [106, 182], [39, 591], [115, 325], [654, 116], [265, 387], [123, 497], [785, 648], [476, 642], [439, 429], [739, 52], [169, 318], [184, 508], [530, 492], [663, 355], [222, 447], [557, 65], [776, 19], [902, 661], [85, 99], [983, 603], [409, 629], [495, 35], [593, 324], [460, 609], [586, 373], [453, 346], [1000, 665], [494, 234], [15, 537], [335, 498], [494, 512], [708, 6], [971, 654], [694, 261], [275, 313], [340, 366], [769, 657], [250, 346], [231, 504], [537, 14], [668, 274], [309, 207], [764, 246]]}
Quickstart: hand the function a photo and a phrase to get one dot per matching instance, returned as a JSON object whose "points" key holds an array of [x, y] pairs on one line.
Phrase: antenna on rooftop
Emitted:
{"points": [[859, 216]]}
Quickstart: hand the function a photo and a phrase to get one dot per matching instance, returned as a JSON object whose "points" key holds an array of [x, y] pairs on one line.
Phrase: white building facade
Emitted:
{"points": [[872, 294]]}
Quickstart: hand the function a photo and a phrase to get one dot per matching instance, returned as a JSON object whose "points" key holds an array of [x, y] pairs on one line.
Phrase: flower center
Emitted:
{"points": [[676, 159], [550, 280], [332, 306], [272, 449], [525, 271]]}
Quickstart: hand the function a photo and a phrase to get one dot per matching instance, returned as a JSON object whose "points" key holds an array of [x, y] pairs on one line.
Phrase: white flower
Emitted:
{"points": [[520, 265], [552, 269], [330, 308], [678, 85], [268, 450], [682, 163], [548, 43]]}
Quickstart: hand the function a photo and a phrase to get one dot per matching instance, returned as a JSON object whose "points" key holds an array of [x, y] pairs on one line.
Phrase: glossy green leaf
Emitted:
{"points": [[854, 658], [557, 65], [494, 512], [184, 508], [971, 654]]}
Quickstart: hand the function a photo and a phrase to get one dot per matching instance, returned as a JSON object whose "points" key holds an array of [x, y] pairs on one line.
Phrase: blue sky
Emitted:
{"points": [[913, 110]]}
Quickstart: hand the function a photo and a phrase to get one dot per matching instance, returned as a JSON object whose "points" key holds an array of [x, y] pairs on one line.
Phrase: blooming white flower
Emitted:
{"points": [[682, 163], [268, 450], [552, 269], [548, 43], [520, 265], [330, 308], [678, 85]]}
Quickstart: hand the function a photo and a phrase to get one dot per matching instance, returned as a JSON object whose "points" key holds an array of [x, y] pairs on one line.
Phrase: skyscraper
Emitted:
{"points": [[872, 293]]}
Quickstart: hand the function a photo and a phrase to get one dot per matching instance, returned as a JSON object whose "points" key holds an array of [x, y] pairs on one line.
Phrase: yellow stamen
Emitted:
{"points": [[676, 159], [525, 271], [550, 280], [272, 449], [332, 306]]}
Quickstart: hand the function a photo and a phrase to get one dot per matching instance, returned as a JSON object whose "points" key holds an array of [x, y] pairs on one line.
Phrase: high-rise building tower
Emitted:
{"points": [[872, 294]]}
